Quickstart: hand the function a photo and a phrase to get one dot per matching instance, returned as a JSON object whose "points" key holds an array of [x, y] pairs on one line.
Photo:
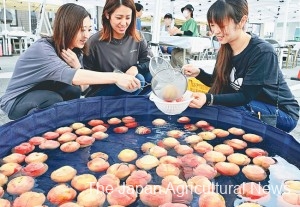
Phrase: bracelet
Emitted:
{"points": [[211, 102]]}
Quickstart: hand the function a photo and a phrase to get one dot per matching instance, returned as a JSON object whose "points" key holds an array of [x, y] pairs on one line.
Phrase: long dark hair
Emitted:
{"points": [[109, 8], [68, 21], [219, 12]]}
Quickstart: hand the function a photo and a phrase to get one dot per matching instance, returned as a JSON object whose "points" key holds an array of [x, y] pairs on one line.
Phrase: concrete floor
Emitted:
{"points": [[7, 66]]}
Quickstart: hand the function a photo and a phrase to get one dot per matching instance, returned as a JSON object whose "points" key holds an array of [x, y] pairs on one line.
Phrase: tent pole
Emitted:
{"points": [[156, 24], [29, 17], [4, 15]]}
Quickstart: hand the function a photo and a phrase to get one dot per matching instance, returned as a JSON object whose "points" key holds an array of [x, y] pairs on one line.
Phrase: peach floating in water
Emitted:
{"points": [[170, 142], [200, 184], [70, 204], [155, 195], [157, 151], [4, 203], [183, 120], [252, 138], [213, 156], [63, 174], [205, 170], [236, 131], [61, 194], [202, 124], [36, 157], [249, 204], [97, 165], [127, 155], [83, 131], [20, 185], [3, 179], [23, 148], [107, 183], [14, 157], [99, 128], [83, 181], [291, 198], [211, 199], [192, 160], [175, 133], [147, 162], [254, 152], [85, 141], [51, 135], [173, 205], [67, 137], [227, 168], [146, 146], [254, 172], [91, 197], [170, 160], [138, 178], [159, 122], [131, 125], [207, 135], [164, 170], [183, 149], [220, 133], [190, 127], [263, 161], [203, 147], [121, 170], [114, 121], [49, 144], [1, 192], [99, 155], [193, 139], [128, 119], [70, 146], [292, 186], [122, 195], [34, 169], [142, 130], [95, 122], [251, 190], [31, 199], [239, 159], [36, 140], [121, 130], [224, 149], [62, 130], [236, 143], [77, 125], [10, 168]]}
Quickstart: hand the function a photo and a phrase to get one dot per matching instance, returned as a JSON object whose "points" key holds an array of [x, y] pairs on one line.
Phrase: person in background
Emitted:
{"points": [[139, 12], [49, 71], [168, 25], [246, 74], [118, 47], [189, 28]]}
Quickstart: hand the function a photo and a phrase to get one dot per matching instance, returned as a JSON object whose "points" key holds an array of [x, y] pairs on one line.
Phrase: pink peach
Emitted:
{"points": [[142, 130], [83, 131], [183, 120], [170, 160], [23, 148], [20, 185], [220, 133], [3, 179], [236, 131], [202, 124], [99, 128], [85, 141], [51, 135], [128, 119], [77, 125], [224, 148], [157, 151], [164, 170], [139, 178], [190, 127], [155, 195], [200, 184], [227, 168], [107, 183], [205, 170], [159, 122], [236, 143], [34, 169], [239, 159], [61, 194], [213, 156], [14, 157], [36, 140], [97, 165], [203, 147], [207, 135], [182, 149], [67, 137], [254, 152], [36, 157], [147, 162], [100, 135], [254, 172], [91, 197], [70, 147], [121, 130], [193, 139], [83, 181], [121, 170], [291, 198], [29, 199], [4, 203], [63, 174], [263, 161], [95, 122], [114, 121], [175, 133], [49, 144], [10, 168], [146, 146], [173, 205], [192, 160], [252, 138], [251, 190], [211, 199], [62, 130], [122, 195], [99, 155]]}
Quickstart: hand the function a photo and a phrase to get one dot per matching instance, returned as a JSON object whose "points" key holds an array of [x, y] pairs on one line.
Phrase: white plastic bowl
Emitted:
{"points": [[172, 108]]}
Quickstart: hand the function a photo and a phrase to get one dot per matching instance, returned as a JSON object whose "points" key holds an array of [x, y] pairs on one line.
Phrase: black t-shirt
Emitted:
{"points": [[254, 76]]}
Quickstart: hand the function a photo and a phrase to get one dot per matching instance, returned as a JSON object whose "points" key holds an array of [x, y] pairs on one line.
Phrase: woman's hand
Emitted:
{"points": [[70, 58], [198, 101], [132, 71], [190, 70], [129, 82]]}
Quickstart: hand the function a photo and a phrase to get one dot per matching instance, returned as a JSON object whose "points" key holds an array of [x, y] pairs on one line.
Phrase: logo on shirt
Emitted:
{"points": [[235, 82], [131, 51]]}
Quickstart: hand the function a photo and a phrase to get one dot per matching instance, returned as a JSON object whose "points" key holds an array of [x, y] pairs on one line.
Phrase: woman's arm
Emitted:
{"points": [[87, 77]]}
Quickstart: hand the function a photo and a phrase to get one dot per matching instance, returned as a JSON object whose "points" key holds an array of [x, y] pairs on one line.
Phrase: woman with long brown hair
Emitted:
{"points": [[50, 69], [246, 74], [118, 47]]}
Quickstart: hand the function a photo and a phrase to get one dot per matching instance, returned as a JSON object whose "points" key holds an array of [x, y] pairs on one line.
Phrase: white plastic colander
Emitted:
{"points": [[172, 108]]}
